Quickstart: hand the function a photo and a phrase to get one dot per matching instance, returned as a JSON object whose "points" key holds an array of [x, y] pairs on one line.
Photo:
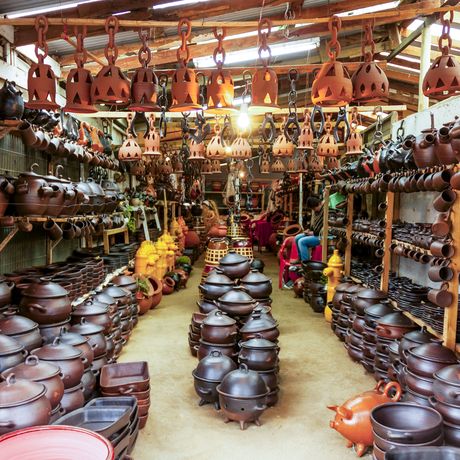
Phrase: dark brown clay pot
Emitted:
{"points": [[11, 352], [446, 386], [260, 325], [126, 282], [205, 348], [418, 384], [22, 329], [450, 412], [219, 328], [94, 333], [216, 285], [23, 404], [89, 384], [394, 326], [257, 284], [366, 298], [236, 302], [73, 399], [121, 295], [96, 314], [234, 265], [79, 342], [6, 289], [259, 354], [412, 339], [50, 331]]}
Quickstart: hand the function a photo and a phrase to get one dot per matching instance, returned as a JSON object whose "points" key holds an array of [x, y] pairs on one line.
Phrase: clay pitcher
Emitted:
{"points": [[454, 135], [352, 418], [442, 225], [444, 151], [423, 149]]}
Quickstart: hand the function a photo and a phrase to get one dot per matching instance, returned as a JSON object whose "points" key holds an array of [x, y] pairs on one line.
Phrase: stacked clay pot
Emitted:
{"points": [[340, 290], [194, 334], [446, 400], [423, 361], [314, 289], [344, 315]]}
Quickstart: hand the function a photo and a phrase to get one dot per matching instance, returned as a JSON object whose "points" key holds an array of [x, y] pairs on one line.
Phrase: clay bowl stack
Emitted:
{"points": [[371, 315], [314, 289], [399, 425], [423, 362], [446, 400], [343, 318], [132, 378], [194, 334], [340, 290]]}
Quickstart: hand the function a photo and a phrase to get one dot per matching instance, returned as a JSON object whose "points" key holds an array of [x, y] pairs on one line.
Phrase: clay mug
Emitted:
{"points": [[429, 182], [27, 134], [455, 181], [444, 201], [414, 181], [68, 231], [421, 182], [384, 181], [81, 227], [441, 180], [441, 226], [440, 297], [438, 273], [399, 250], [25, 226], [77, 231], [424, 259], [442, 248], [52, 229], [382, 207], [378, 269], [379, 252]]}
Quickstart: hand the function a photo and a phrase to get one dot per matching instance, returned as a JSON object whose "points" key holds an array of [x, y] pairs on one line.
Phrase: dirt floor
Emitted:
{"points": [[315, 371]]}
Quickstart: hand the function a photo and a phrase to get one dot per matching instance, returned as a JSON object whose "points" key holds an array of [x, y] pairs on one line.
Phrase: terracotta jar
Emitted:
{"points": [[23, 404], [217, 327], [42, 372], [353, 420], [22, 329], [45, 302], [257, 284]]}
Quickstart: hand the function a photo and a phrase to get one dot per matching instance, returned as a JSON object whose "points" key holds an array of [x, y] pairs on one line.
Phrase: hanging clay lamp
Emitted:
{"points": [[166, 166], [278, 166], [207, 167], [215, 148], [370, 83], [41, 81], [306, 133], [152, 139], [130, 150], [220, 88], [79, 81], [443, 77], [265, 81], [144, 84], [332, 85], [111, 86], [216, 169], [315, 164], [291, 165], [185, 89], [354, 144], [264, 167], [283, 147], [197, 150], [327, 145], [241, 149]]}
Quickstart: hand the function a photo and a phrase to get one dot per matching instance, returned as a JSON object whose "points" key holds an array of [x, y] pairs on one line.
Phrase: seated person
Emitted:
{"points": [[311, 237]]}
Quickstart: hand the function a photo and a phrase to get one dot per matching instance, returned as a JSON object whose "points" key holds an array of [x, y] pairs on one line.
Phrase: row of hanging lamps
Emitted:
{"points": [[144, 84], [79, 80], [265, 81], [370, 83], [110, 85], [41, 80], [278, 166], [332, 85], [185, 89], [442, 79], [130, 150], [220, 87], [152, 140]]}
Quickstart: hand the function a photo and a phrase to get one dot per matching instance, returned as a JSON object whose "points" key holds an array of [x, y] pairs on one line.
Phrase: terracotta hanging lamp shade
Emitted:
{"points": [[152, 139], [278, 166], [220, 88], [264, 166], [207, 167], [216, 168], [110, 85], [185, 89], [264, 97], [79, 81], [370, 83], [144, 84], [327, 145], [332, 85], [283, 147], [443, 77], [130, 150], [306, 133], [197, 150], [354, 143], [215, 148], [41, 80], [241, 149]]}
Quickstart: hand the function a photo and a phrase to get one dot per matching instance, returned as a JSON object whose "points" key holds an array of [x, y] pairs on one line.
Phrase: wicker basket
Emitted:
{"points": [[234, 231], [213, 256], [246, 252]]}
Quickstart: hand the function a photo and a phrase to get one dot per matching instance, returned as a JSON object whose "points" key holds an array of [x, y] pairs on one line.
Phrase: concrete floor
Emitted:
{"points": [[315, 372]]}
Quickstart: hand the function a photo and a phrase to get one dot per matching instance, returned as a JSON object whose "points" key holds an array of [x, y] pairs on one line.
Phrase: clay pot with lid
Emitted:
{"points": [[121, 295], [98, 196], [242, 396], [234, 265], [50, 331], [366, 298], [339, 291], [104, 298], [374, 312], [6, 289], [11, 352], [79, 342], [424, 360], [23, 404], [45, 302], [394, 325], [259, 354], [94, 313], [216, 285], [209, 373], [69, 359], [446, 386], [217, 327], [260, 325], [32, 193], [42, 372], [22, 329], [205, 348], [412, 339], [257, 284], [94, 333], [73, 399], [236, 302], [126, 282]]}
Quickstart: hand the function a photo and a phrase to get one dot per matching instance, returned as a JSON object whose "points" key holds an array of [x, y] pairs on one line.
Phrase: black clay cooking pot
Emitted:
{"points": [[22, 329], [234, 265], [218, 327], [259, 354], [257, 284], [412, 339], [205, 348], [11, 352], [259, 325], [376, 311], [394, 325], [94, 333], [80, 342], [236, 302], [216, 285], [366, 298], [446, 386]]}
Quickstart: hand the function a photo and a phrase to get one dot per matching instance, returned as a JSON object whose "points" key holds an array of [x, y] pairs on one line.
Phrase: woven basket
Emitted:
{"points": [[213, 256], [235, 231], [246, 252]]}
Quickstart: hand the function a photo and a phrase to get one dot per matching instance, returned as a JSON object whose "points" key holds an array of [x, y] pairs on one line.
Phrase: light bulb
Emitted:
{"points": [[243, 121]]}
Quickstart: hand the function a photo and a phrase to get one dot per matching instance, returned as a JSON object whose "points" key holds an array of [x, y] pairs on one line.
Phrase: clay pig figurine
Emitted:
{"points": [[352, 419]]}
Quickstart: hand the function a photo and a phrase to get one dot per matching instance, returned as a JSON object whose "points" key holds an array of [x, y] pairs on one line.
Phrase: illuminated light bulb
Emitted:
{"points": [[242, 174], [243, 121], [228, 150]]}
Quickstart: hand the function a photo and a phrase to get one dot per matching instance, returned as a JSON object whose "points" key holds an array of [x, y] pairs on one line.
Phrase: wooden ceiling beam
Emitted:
{"points": [[400, 75]]}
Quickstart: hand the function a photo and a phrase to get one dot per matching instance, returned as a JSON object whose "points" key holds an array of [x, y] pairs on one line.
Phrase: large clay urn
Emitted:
{"points": [[353, 420]]}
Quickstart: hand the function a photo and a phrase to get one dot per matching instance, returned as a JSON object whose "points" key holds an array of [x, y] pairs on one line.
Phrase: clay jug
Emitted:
{"points": [[424, 147], [454, 135], [444, 151], [352, 418]]}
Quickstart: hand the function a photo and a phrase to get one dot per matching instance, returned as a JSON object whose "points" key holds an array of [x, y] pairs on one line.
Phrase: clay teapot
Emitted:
{"points": [[353, 420], [11, 102], [424, 147]]}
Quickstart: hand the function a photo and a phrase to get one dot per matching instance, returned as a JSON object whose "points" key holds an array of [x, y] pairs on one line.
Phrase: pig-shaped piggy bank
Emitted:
{"points": [[352, 419]]}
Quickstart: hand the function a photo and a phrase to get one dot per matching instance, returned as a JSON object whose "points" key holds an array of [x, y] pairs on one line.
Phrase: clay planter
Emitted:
{"points": [[68, 358], [143, 302], [79, 342], [352, 418], [429, 358], [11, 352], [157, 291], [259, 354], [46, 373], [218, 328], [22, 329], [234, 265], [242, 396], [23, 404], [257, 284], [73, 399], [209, 373], [168, 285], [205, 348], [45, 302]]}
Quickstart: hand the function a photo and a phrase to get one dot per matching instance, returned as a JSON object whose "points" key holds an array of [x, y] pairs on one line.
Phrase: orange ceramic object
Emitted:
{"points": [[352, 418]]}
